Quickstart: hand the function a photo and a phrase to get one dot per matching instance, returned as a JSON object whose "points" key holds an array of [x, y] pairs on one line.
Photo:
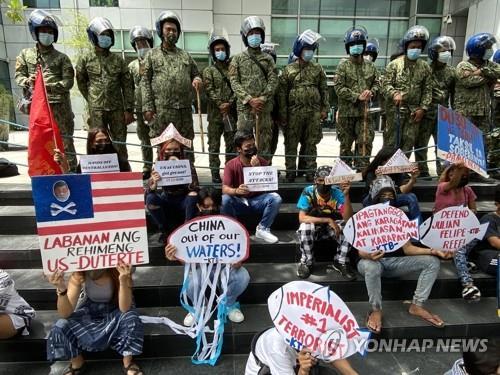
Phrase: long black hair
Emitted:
{"points": [[382, 156]]}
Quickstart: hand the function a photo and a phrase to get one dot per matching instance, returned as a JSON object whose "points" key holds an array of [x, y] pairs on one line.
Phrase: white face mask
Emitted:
{"points": [[45, 39], [444, 57], [141, 52], [368, 58]]}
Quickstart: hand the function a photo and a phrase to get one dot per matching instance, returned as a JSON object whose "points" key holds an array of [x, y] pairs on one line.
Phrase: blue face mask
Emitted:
{"points": [[45, 39], [488, 54], [356, 49], [220, 55], [104, 41], [414, 53], [307, 55], [254, 40]]}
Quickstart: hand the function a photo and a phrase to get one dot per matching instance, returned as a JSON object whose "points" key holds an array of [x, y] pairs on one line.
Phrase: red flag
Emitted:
{"points": [[44, 133]]}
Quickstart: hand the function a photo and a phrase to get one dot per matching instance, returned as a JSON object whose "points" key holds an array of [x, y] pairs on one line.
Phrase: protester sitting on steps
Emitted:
{"points": [[452, 190], [271, 354], [104, 316], [410, 258], [15, 313], [98, 143], [237, 199], [209, 201], [404, 196], [174, 199], [323, 210]]}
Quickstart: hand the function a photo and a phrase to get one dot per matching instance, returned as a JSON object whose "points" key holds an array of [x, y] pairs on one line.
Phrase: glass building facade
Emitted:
{"points": [[386, 20]]}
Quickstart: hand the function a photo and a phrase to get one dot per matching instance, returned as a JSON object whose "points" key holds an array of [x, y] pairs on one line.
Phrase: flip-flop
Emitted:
{"points": [[371, 329], [428, 320]]}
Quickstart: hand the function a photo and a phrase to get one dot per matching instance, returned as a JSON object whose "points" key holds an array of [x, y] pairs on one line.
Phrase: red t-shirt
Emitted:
{"points": [[233, 173], [456, 197]]}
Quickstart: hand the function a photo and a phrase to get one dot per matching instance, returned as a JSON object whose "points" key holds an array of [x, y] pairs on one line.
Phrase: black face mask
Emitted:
{"points": [[248, 153], [463, 181], [323, 189], [104, 148], [209, 212], [168, 155]]}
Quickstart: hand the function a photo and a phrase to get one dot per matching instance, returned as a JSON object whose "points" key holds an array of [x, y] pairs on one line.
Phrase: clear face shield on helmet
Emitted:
{"points": [[39, 15], [310, 37], [100, 24], [416, 33], [252, 22], [140, 32]]}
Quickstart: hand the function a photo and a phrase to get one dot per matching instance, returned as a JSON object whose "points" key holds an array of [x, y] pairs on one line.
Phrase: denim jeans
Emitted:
{"points": [[402, 200], [461, 262], [373, 271], [237, 283], [267, 205], [166, 204]]}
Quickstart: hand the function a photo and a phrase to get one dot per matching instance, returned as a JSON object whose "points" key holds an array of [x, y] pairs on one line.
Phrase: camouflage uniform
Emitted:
{"points": [[493, 140], [443, 81], [351, 79], [218, 89], [304, 97], [104, 80], [473, 100], [59, 77], [167, 89], [248, 81], [413, 80], [135, 68], [5, 114]]}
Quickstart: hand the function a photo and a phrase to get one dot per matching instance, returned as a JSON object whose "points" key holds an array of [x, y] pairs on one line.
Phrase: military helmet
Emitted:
{"points": [[496, 56], [372, 48], [440, 44], [270, 49], [140, 32], [291, 58], [216, 39], [477, 44], [41, 18], [355, 35], [97, 26], [250, 23], [170, 16], [416, 33], [308, 38]]}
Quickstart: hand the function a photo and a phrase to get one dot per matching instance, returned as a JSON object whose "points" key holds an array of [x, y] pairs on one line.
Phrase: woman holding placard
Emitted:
{"points": [[103, 316], [174, 198]]}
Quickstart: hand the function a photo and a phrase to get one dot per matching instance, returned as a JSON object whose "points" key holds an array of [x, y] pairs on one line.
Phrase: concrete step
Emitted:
{"points": [[160, 286], [19, 220], [20, 194], [463, 320]]}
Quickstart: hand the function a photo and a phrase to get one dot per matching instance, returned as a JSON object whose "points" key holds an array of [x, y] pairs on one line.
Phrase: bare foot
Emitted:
{"points": [[374, 321], [423, 314]]}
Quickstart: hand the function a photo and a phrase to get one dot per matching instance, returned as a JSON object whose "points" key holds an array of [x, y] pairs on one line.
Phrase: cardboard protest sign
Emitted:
{"points": [[380, 227], [171, 132], [90, 221], [99, 163], [451, 228], [173, 172], [309, 315], [261, 178], [459, 140], [211, 239], [341, 172], [398, 163]]}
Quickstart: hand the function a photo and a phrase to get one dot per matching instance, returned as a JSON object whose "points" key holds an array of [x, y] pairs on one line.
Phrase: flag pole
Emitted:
{"points": [[46, 97]]}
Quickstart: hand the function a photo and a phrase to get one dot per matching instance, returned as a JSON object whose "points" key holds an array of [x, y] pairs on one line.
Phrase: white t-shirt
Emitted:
{"points": [[273, 351]]}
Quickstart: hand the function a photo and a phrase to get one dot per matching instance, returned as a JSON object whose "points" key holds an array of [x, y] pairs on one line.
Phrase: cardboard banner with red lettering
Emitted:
{"points": [[380, 227], [311, 316], [398, 163], [90, 221], [211, 239], [451, 228], [459, 140], [341, 173]]}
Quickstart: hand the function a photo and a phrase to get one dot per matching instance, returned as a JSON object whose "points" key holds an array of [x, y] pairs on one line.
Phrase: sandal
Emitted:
{"points": [[371, 328], [70, 370], [430, 318], [134, 367]]}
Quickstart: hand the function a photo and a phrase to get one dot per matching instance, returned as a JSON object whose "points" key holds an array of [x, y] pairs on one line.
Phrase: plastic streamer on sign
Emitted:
{"points": [[208, 246]]}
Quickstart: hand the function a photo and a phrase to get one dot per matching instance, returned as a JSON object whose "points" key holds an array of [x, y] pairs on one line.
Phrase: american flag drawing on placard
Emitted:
{"points": [[90, 221]]}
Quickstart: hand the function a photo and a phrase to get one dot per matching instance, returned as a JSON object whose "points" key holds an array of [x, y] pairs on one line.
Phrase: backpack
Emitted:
{"points": [[7, 169]]}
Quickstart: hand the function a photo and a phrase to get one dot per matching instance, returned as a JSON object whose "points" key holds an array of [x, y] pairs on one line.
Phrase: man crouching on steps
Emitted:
{"points": [[323, 209]]}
